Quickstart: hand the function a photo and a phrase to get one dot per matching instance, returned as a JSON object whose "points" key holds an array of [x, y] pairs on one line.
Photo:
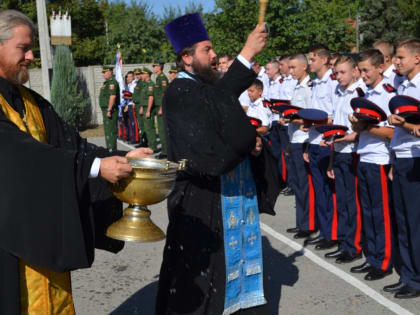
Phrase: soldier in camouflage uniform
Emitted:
{"points": [[173, 73], [147, 108], [137, 107], [109, 99], [160, 87]]}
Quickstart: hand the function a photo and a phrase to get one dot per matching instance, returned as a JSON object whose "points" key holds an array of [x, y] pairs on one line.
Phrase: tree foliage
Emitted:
{"points": [[294, 25], [66, 96]]}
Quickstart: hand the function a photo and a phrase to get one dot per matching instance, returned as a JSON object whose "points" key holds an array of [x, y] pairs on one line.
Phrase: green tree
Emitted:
{"points": [[66, 96], [384, 19]]}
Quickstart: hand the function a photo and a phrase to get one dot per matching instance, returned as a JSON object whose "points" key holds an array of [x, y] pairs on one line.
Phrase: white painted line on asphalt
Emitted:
{"points": [[394, 307]]}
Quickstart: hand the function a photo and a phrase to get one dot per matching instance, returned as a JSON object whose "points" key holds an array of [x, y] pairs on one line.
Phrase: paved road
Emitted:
{"points": [[300, 281]]}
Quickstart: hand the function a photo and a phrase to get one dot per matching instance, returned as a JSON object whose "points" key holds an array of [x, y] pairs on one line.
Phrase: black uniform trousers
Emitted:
{"points": [[279, 139], [319, 157], [349, 231], [375, 197], [406, 194], [301, 183]]}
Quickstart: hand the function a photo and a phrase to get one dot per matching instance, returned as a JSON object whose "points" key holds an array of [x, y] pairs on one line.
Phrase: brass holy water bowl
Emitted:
{"points": [[151, 182]]}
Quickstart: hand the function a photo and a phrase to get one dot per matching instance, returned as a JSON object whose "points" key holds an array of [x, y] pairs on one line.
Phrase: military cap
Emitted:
{"points": [[158, 63], [407, 107], [173, 69], [312, 116], [289, 111], [276, 104], [255, 122], [107, 68], [331, 132], [127, 94], [367, 111], [137, 71], [146, 71]]}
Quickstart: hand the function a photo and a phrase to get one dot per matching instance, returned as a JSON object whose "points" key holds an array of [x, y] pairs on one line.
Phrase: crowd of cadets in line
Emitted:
{"points": [[348, 146], [141, 107]]}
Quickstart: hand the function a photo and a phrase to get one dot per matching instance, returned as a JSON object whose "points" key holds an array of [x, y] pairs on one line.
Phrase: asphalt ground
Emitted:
{"points": [[299, 280]]}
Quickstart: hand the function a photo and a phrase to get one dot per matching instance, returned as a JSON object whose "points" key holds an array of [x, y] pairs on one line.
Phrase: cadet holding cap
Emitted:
{"points": [[406, 177], [375, 159], [109, 98], [301, 179], [344, 163]]}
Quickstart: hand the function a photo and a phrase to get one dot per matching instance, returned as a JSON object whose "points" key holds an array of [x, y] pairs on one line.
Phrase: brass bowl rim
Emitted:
{"points": [[153, 164]]}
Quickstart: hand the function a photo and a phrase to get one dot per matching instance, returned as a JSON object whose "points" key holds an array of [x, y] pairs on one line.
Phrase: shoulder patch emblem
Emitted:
{"points": [[164, 83], [389, 88], [150, 88], [111, 86]]}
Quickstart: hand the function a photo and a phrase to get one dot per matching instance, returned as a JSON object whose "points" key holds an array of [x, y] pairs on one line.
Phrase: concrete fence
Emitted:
{"points": [[91, 80]]}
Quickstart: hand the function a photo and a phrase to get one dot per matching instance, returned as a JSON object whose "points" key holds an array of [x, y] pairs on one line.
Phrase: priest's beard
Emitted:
{"points": [[16, 74], [207, 73]]}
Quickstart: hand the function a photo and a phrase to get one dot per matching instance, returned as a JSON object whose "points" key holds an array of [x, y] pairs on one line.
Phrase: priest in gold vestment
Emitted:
{"points": [[55, 204]]}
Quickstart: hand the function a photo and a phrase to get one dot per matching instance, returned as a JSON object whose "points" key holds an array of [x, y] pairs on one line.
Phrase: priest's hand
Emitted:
{"points": [[255, 43], [258, 147], [113, 168], [139, 153]]}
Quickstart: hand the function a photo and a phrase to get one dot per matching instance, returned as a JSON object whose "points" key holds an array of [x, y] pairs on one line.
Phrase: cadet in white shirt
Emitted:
{"points": [[406, 175], [273, 73], [374, 186], [301, 180], [391, 73], [262, 76], [287, 83], [345, 163], [256, 108], [323, 89]]}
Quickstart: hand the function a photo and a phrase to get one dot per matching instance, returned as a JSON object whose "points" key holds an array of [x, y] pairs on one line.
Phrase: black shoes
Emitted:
{"points": [[335, 254], [287, 192], [325, 244], [407, 292], [365, 267], [394, 287], [293, 230], [348, 258], [302, 234], [314, 240], [376, 274]]}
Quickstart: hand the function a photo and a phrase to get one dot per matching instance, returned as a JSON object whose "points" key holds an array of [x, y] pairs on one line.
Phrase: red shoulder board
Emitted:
{"points": [[281, 80], [389, 88], [333, 76], [360, 92], [397, 72]]}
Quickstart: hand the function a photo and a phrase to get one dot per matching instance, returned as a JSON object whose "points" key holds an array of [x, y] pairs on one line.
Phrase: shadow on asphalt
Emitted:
{"points": [[140, 303], [279, 270]]}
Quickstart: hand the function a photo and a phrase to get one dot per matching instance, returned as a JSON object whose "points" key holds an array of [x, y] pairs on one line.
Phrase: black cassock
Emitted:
{"points": [[51, 214], [207, 126]]}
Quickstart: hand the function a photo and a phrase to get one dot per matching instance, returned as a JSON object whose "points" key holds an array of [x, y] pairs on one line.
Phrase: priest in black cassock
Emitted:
{"points": [[55, 204], [212, 261]]}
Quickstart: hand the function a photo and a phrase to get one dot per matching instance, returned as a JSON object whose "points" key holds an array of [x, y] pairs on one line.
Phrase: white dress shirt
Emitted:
{"points": [[323, 90], [373, 149], [301, 98], [342, 109], [404, 144], [287, 88], [257, 110]]}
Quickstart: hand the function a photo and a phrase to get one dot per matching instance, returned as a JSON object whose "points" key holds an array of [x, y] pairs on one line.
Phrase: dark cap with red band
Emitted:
{"points": [[312, 116], [407, 107], [277, 104], [367, 111], [255, 122], [289, 111], [330, 132]]}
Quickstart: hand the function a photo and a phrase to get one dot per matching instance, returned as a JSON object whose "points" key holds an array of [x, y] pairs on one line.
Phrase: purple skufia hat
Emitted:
{"points": [[186, 31]]}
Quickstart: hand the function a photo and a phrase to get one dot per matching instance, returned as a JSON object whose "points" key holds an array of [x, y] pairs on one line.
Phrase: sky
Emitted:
{"points": [[157, 6]]}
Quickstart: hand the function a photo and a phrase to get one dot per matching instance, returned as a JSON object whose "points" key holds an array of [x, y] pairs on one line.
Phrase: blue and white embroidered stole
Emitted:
{"points": [[242, 240]]}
